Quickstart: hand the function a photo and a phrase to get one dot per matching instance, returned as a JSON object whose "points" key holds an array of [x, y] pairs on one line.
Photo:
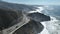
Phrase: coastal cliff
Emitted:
{"points": [[11, 14]]}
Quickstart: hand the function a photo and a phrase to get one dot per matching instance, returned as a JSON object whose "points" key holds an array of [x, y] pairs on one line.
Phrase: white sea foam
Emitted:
{"points": [[50, 27], [37, 10]]}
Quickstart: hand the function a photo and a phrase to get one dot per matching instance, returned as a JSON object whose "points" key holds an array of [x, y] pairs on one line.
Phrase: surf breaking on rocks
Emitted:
{"points": [[50, 27]]}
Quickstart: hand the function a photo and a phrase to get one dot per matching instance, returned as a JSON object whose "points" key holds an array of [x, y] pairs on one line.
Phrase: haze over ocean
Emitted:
{"points": [[35, 2]]}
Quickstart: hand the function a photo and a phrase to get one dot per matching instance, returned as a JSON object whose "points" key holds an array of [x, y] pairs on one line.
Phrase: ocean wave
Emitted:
{"points": [[52, 26], [37, 10]]}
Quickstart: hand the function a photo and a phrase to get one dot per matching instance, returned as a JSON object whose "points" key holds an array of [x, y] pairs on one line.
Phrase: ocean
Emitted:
{"points": [[52, 26]]}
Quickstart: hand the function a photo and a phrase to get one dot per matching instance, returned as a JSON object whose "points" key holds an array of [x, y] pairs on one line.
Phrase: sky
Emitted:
{"points": [[35, 2]]}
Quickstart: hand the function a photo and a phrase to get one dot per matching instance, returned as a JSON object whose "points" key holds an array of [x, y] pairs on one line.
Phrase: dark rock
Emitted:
{"points": [[32, 27], [39, 17], [9, 17]]}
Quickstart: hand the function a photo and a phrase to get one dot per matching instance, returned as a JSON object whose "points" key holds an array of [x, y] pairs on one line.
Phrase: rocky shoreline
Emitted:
{"points": [[11, 14]]}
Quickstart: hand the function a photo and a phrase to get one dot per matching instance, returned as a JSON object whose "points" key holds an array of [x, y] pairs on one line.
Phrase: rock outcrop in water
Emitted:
{"points": [[11, 14], [39, 17], [34, 26]]}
